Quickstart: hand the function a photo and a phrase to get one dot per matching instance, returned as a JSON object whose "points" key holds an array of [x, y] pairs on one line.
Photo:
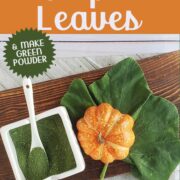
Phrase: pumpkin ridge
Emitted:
{"points": [[92, 144], [110, 128], [90, 126], [116, 146], [127, 142], [92, 151], [83, 137], [103, 122], [99, 153], [90, 117], [82, 127], [107, 156], [129, 119], [120, 152]]}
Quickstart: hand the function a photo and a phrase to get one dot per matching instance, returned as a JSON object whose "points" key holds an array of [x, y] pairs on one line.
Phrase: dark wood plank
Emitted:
{"points": [[162, 73]]}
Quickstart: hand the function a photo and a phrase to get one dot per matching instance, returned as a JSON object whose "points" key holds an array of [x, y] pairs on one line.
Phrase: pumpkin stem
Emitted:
{"points": [[100, 138], [103, 173]]}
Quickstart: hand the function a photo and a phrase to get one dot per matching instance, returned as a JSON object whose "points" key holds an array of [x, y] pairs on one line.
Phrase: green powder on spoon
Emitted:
{"points": [[38, 165]]}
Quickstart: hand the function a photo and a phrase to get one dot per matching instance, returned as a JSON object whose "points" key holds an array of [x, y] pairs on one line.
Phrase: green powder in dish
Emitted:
{"points": [[55, 141], [38, 165]]}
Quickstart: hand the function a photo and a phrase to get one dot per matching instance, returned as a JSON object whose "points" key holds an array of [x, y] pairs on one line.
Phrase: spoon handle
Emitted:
{"points": [[28, 91]]}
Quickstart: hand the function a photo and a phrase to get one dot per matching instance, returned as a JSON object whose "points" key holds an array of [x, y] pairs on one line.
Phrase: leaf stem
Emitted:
{"points": [[103, 173]]}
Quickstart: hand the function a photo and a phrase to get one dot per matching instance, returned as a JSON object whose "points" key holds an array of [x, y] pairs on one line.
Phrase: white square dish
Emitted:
{"points": [[11, 152]]}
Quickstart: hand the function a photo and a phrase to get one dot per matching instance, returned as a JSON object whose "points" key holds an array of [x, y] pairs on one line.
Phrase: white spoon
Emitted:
{"points": [[28, 92], [38, 164]]}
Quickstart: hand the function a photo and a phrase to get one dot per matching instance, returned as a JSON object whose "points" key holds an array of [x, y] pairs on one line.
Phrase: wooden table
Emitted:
{"points": [[162, 73]]}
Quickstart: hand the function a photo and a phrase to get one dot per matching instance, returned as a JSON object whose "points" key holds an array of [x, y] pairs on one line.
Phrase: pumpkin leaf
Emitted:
{"points": [[124, 87], [156, 151], [77, 99]]}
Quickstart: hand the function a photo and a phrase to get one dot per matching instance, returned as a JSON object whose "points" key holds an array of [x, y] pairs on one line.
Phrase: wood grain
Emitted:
{"points": [[162, 73]]}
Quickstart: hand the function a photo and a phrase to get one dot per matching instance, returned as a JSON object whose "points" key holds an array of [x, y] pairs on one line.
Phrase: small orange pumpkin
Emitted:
{"points": [[105, 134]]}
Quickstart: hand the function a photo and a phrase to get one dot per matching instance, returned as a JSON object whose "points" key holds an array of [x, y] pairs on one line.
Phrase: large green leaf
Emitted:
{"points": [[77, 99], [156, 151], [124, 87]]}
